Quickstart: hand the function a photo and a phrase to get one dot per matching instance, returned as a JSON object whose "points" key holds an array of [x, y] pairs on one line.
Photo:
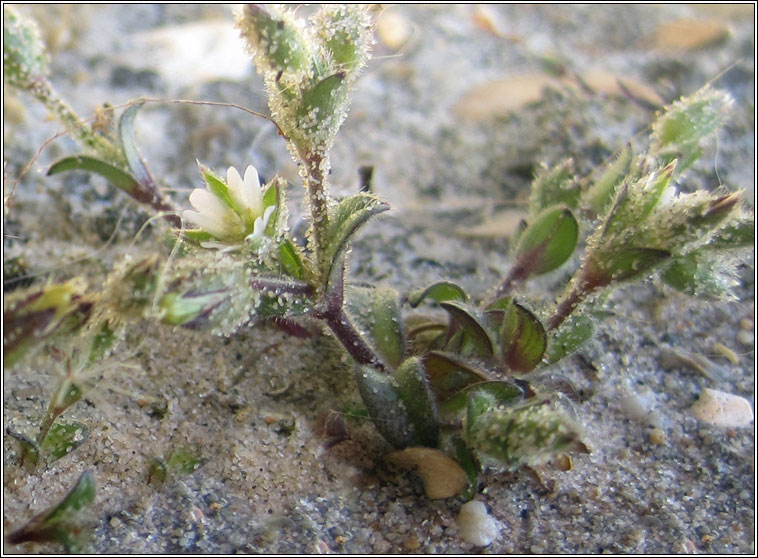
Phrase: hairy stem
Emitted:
{"points": [[44, 93], [333, 314], [315, 182]]}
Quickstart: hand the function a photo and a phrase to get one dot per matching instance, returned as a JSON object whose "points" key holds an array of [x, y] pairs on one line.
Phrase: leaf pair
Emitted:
{"points": [[506, 332]]}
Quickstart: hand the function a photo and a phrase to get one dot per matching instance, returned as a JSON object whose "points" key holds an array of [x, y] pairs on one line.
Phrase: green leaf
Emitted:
{"points": [[555, 186], [512, 437], [29, 449], [700, 273], [415, 393], [381, 397], [467, 460], [281, 45], [439, 292], [377, 312], [127, 138], [102, 342], [478, 404], [345, 219], [184, 461], [289, 257], [60, 523], [626, 263], [739, 233], [320, 107], [602, 191], [682, 127], [523, 339], [24, 55], [448, 373], [577, 329], [62, 438], [503, 393], [475, 335], [119, 178], [547, 243], [218, 187]]}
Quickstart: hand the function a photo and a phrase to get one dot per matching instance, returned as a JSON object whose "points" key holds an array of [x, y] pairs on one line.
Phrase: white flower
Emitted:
{"points": [[239, 217]]}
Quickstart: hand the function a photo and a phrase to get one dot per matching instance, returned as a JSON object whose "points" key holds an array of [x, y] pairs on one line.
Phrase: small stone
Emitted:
{"points": [[411, 543], [745, 337], [657, 436], [476, 526], [746, 324], [563, 462], [722, 409]]}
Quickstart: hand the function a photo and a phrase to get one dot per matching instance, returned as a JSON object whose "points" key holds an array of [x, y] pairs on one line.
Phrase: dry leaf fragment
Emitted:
{"points": [[502, 96], [689, 34], [442, 476], [501, 225]]}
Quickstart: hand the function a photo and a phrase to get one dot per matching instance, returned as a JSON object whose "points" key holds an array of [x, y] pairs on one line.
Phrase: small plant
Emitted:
{"points": [[458, 385]]}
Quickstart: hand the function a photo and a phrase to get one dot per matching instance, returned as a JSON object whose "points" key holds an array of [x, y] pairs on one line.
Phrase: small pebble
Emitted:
{"points": [[722, 409], [637, 405], [657, 436], [745, 337], [746, 324], [476, 526], [411, 543]]}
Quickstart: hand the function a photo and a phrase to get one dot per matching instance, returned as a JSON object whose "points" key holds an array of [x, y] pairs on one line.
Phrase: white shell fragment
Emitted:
{"points": [[476, 526], [722, 409]]}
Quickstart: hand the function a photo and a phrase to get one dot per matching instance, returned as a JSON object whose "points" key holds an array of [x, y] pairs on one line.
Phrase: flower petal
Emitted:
{"points": [[208, 203], [252, 190], [236, 189], [206, 222]]}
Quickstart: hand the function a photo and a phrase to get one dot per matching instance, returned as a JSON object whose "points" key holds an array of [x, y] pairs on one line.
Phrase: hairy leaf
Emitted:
{"points": [[439, 292], [448, 373], [547, 242], [523, 339], [577, 329], [415, 393], [377, 312], [475, 335], [119, 178], [60, 523]]}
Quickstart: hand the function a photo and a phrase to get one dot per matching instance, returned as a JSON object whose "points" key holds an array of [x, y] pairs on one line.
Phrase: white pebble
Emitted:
{"points": [[722, 409], [745, 337], [476, 526], [637, 405]]}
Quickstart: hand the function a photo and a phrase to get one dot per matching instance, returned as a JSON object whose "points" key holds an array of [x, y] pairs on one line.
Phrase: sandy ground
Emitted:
{"points": [[252, 406]]}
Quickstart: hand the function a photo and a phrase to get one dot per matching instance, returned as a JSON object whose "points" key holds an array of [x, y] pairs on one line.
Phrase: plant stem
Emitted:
{"points": [[333, 314], [315, 182], [591, 278], [45, 93], [566, 306], [354, 344]]}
